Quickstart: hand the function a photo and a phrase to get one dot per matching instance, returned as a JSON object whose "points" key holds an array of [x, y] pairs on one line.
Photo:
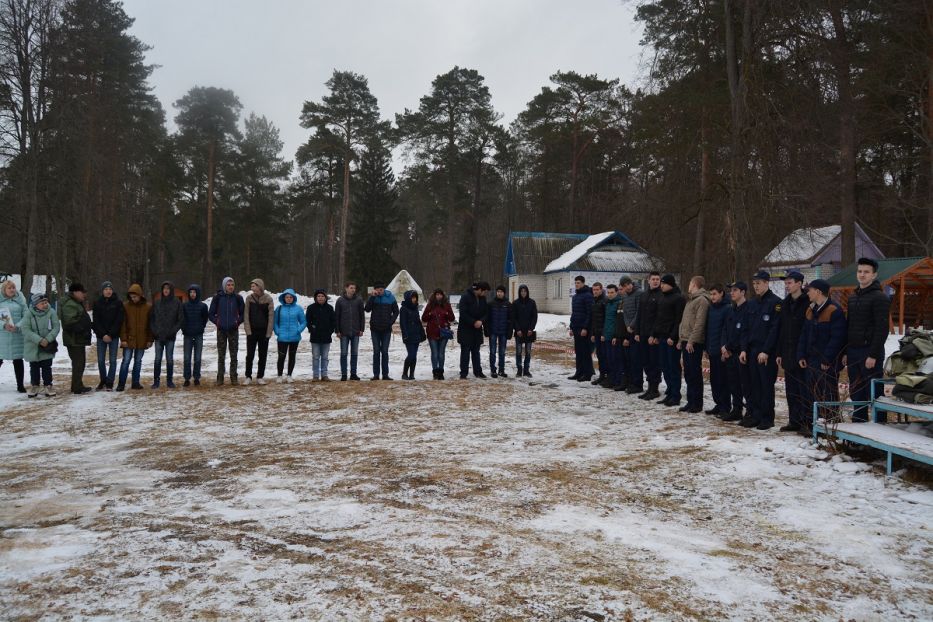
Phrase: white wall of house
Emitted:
{"points": [[537, 283]]}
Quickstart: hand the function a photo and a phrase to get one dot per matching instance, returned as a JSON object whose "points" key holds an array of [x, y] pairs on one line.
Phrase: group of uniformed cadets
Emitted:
{"points": [[746, 337]]}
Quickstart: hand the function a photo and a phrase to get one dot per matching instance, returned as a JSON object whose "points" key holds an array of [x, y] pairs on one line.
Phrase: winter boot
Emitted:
{"points": [[49, 391], [519, 373], [526, 373], [502, 373], [33, 391]]}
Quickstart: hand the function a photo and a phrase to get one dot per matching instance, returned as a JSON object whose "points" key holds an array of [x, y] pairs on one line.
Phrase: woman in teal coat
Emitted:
{"points": [[12, 308], [40, 327]]}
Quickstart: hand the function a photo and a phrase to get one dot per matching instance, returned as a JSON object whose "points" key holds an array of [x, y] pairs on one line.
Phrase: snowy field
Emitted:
{"points": [[500, 499]]}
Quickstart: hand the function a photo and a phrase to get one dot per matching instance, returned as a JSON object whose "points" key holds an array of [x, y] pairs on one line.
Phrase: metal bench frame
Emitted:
{"points": [[825, 428]]}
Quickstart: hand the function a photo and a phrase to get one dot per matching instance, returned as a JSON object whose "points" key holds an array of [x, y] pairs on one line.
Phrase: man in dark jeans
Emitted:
{"points": [[383, 310], [473, 311], [868, 330], [581, 316], [648, 346], [226, 313], [792, 316], [257, 323]]}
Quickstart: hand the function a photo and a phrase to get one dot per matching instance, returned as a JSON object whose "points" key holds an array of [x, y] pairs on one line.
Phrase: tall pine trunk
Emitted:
{"points": [[841, 56], [210, 211]]}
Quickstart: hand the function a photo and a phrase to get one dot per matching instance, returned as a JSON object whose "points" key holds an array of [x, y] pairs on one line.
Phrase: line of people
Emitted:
{"points": [[134, 325], [660, 332]]}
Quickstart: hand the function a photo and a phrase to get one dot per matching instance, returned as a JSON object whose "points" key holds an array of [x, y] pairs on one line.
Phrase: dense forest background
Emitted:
{"points": [[755, 117]]}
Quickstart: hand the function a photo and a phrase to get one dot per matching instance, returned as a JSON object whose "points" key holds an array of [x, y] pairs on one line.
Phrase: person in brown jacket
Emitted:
{"points": [[135, 334], [257, 323], [692, 337]]}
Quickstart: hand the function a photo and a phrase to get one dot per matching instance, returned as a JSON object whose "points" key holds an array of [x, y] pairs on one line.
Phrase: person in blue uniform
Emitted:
{"points": [[759, 352], [733, 331], [792, 317], [822, 342]]}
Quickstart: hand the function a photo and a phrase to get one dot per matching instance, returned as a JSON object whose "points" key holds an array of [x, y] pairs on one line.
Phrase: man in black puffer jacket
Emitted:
{"points": [[165, 321], [498, 327], [108, 318], [194, 314], [473, 311], [868, 330], [666, 333], [597, 320], [647, 344]]}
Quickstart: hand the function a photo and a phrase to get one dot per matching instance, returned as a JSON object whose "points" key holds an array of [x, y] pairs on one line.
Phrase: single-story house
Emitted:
{"points": [[814, 251], [549, 262]]}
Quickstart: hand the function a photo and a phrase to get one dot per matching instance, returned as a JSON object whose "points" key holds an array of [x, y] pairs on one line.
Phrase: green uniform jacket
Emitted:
{"points": [[76, 323], [36, 326]]}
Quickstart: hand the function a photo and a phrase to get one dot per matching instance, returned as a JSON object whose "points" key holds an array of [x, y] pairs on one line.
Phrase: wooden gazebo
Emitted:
{"points": [[909, 280]]}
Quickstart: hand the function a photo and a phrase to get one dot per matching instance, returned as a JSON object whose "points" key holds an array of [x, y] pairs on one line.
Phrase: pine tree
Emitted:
{"points": [[375, 228]]}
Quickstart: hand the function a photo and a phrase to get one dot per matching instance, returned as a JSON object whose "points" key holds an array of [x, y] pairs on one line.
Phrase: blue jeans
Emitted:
{"points": [[522, 355], [381, 340], [497, 344], [352, 343], [670, 368], [107, 352], [438, 350], [136, 356], [169, 348], [195, 343], [319, 352]]}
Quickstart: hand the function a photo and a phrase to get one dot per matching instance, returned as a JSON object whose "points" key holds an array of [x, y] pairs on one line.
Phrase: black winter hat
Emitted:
{"points": [[821, 285], [76, 287], [668, 279], [501, 288], [320, 291], [379, 284]]}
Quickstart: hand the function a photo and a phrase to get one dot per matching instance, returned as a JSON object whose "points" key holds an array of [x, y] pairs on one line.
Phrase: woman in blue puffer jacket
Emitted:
{"points": [[288, 325]]}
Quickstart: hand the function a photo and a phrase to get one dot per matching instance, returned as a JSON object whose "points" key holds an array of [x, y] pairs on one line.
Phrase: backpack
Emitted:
{"points": [[912, 367]]}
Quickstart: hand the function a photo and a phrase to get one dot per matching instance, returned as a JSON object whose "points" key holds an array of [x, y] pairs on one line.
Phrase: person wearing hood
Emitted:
{"points": [[715, 327], [40, 327], [257, 324], [631, 299], [194, 313], [692, 339], [322, 323], [412, 332], [167, 318], [76, 334], [351, 322], [667, 335], [581, 316], [473, 311], [438, 317], [498, 327], [226, 313], [135, 335], [13, 307], [108, 318], [383, 311], [288, 323], [524, 319], [648, 345], [869, 307]]}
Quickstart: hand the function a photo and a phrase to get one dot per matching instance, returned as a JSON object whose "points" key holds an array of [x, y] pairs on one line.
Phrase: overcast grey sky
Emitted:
{"points": [[275, 54]]}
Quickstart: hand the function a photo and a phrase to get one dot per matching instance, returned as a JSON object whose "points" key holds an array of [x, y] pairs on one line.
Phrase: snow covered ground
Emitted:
{"points": [[498, 499]]}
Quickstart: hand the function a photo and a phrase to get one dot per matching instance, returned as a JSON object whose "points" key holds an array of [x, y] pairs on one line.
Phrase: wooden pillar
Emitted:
{"points": [[901, 304]]}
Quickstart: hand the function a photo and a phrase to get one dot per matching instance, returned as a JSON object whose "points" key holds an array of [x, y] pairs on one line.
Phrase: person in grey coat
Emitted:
{"points": [[631, 354], [165, 321], [351, 322]]}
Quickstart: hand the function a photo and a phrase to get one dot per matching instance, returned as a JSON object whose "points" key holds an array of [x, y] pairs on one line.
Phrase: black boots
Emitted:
{"points": [[408, 373], [438, 374], [651, 394]]}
